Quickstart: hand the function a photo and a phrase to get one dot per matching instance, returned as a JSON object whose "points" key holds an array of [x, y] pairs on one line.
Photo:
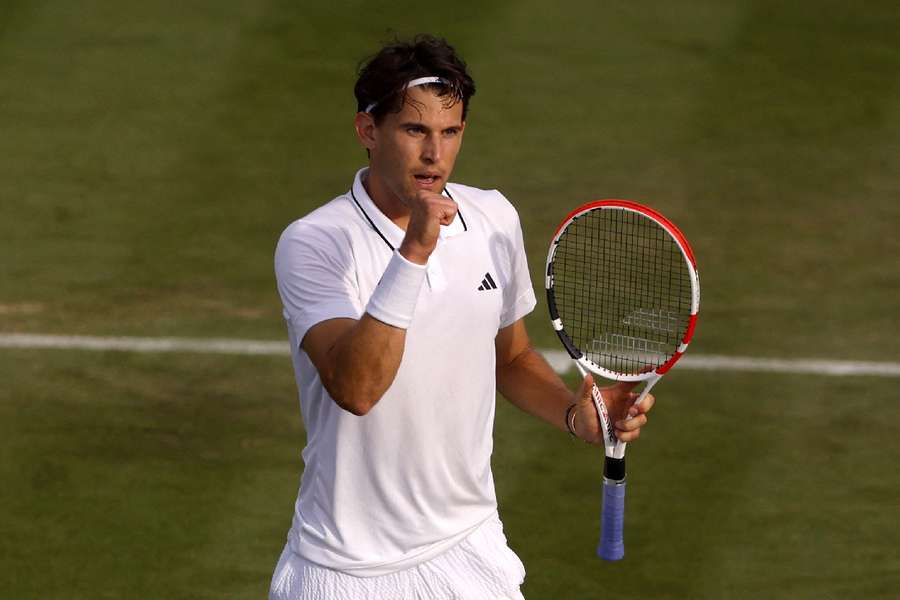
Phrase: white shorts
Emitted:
{"points": [[481, 567]]}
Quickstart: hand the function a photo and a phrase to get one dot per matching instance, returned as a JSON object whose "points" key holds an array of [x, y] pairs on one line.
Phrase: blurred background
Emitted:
{"points": [[152, 152]]}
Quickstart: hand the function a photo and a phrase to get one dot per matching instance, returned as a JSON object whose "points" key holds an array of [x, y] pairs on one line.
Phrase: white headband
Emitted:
{"points": [[412, 84]]}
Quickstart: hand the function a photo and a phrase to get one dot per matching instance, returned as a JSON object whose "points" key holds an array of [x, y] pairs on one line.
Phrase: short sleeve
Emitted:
{"points": [[518, 293], [316, 276]]}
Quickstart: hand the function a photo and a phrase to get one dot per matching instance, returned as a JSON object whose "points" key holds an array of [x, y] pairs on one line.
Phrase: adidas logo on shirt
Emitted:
{"points": [[487, 283]]}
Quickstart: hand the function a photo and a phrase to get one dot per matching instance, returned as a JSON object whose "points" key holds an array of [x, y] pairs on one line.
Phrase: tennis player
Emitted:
{"points": [[404, 300]]}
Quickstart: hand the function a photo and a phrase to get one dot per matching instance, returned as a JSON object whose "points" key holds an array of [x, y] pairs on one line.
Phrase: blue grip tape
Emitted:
{"points": [[611, 545]]}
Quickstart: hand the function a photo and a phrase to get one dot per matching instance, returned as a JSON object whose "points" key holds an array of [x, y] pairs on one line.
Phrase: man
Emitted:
{"points": [[405, 300]]}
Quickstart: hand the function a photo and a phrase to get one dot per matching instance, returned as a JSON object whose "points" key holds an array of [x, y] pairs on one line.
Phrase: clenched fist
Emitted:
{"points": [[428, 211]]}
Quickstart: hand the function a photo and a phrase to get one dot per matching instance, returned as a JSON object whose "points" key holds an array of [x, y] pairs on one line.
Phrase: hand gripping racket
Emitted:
{"points": [[623, 293]]}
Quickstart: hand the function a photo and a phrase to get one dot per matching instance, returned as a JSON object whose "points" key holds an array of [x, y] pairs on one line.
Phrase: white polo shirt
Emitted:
{"points": [[396, 487]]}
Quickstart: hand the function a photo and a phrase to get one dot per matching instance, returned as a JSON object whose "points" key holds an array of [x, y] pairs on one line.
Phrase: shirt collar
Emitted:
{"points": [[387, 229]]}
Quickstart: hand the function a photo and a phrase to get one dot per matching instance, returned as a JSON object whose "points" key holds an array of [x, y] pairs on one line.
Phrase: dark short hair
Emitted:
{"points": [[383, 77]]}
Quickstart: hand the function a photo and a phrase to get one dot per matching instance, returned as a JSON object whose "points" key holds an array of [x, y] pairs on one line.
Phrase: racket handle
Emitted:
{"points": [[612, 546]]}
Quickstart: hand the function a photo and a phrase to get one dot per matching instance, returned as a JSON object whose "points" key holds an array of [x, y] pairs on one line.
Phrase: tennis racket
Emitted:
{"points": [[623, 293]]}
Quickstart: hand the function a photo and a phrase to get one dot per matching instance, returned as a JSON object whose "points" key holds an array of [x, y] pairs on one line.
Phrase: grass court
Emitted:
{"points": [[153, 152]]}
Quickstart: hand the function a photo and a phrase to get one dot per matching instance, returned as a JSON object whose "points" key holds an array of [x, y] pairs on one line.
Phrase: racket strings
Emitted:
{"points": [[622, 289]]}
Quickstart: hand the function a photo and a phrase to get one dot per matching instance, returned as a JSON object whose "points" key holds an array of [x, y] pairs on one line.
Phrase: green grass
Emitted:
{"points": [[143, 476], [173, 477], [717, 508], [154, 151]]}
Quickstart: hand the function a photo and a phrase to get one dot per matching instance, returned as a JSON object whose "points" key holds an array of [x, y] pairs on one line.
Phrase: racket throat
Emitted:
{"points": [[614, 470]]}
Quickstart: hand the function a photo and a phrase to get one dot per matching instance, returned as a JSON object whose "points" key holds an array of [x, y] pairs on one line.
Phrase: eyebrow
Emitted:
{"points": [[426, 127]]}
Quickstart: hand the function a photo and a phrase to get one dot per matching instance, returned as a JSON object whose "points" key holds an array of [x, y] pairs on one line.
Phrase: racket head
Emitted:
{"points": [[623, 289]]}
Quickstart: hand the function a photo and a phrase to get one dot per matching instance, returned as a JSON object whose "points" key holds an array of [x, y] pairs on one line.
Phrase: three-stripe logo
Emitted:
{"points": [[487, 283]]}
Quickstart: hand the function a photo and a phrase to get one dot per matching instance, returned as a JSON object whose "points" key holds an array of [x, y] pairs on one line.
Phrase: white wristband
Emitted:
{"points": [[394, 299]]}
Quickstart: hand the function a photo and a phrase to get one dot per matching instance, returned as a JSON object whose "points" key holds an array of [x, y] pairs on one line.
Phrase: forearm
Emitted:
{"points": [[525, 379], [357, 360], [532, 385]]}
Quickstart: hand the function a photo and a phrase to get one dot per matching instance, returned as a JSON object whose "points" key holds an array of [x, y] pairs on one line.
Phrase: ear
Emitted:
{"points": [[365, 129]]}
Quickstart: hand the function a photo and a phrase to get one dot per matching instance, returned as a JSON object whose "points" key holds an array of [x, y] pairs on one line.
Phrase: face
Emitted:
{"points": [[414, 149]]}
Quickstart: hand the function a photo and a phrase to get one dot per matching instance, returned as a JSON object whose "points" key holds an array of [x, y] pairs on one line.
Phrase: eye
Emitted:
{"points": [[451, 132], [415, 129]]}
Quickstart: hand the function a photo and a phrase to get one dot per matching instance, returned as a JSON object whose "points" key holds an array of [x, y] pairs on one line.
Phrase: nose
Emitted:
{"points": [[431, 149]]}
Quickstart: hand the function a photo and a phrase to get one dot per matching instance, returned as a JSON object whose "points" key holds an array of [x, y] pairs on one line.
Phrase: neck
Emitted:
{"points": [[385, 199]]}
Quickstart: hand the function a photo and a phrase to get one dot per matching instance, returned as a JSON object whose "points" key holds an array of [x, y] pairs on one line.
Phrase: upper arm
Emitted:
{"points": [[356, 355], [518, 293], [316, 277], [319, 341], [511, 343]]}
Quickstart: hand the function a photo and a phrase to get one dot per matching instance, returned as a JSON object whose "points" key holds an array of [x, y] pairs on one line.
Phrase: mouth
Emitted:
{"points": [[427, 180]]}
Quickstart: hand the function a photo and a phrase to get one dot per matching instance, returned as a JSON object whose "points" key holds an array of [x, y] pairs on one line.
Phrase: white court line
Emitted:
{"points": [[558, 359], [139, 344]]}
